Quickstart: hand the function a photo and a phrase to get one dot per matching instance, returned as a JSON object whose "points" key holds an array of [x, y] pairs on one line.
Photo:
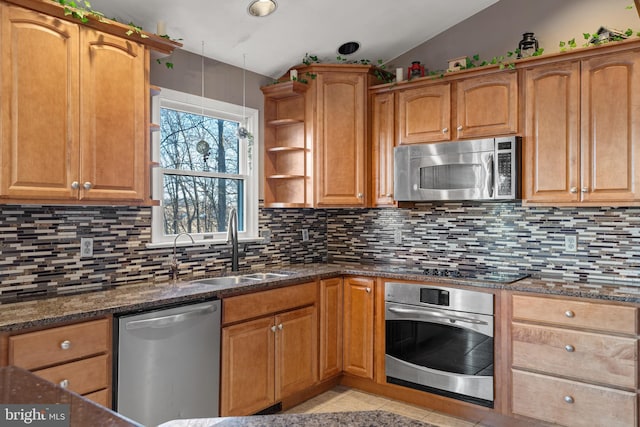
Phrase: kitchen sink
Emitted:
{"points": [[222, 281], [265, 276], [242, 279]]}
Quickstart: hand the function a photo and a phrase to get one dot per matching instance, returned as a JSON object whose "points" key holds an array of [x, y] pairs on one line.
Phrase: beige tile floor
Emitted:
{"points": [[340, 399]]}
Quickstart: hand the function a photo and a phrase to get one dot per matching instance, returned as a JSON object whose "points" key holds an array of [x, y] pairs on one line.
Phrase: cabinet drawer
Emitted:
{"points": [[259, 304], [578, 314], [101, 397], [571, 403], [583, 355], [38, 349], [83, 376]]}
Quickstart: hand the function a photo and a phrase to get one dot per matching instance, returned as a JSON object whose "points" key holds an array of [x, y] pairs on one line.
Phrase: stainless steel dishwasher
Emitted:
{"points": [[168, 363]]}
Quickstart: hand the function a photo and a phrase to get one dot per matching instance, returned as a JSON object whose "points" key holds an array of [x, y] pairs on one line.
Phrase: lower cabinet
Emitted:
{"points": [[574, 362], [76, 357], [358, 326], [274, 356], [330, 327]]}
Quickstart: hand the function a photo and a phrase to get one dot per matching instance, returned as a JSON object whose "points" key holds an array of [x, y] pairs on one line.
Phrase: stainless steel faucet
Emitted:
{"points": [[232, 237], [174, 261]]}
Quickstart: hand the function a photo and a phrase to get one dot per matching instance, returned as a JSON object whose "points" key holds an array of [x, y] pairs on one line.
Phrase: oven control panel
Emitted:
{"points": [[434, 296]]}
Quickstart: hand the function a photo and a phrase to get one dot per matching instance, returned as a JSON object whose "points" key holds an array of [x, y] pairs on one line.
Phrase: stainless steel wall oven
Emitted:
{"points": [[440, 340]]}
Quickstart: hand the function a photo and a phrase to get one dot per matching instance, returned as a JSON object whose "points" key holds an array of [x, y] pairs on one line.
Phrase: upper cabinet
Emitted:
{"points": [[382, 143], [483, 105], [316, 138], [74, 112], [581, 131]]}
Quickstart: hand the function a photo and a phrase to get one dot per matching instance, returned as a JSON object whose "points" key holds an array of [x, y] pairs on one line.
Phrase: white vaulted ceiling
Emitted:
{"points": [[270, 45]]}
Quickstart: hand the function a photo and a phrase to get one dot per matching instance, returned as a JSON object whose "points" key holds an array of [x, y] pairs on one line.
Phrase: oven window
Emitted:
{"points": [[450, 176], [440, 347]]}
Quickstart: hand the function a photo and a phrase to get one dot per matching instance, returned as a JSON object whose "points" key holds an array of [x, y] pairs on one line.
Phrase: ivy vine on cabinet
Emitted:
{"points": [[74, 112]]}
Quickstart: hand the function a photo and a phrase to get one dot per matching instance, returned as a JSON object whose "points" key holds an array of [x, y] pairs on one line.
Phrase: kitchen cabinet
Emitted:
{"points": [[330, 327], [574, 361], [287, 152], [581, 130], [269, 348], [316, 138], [358, 326], [76, 357], [482, 105], [74, 112], [382, 144]]}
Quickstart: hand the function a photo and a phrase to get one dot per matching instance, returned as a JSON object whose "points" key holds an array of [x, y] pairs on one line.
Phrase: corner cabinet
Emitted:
{"points": [[582, 127], [316, 138], [74, 112], [358, 323]]}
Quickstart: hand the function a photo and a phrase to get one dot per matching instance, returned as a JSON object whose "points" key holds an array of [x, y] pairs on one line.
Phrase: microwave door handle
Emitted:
{"points": [[436, 314], [492, 176]]}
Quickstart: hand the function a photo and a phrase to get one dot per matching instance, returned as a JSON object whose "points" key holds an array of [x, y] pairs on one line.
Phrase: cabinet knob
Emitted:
{"points": [[368, 290], [569, 348], [387, 195], [569, 313], [459, 127], [569, 399], [65, 345], [360, 195], [75, 185], [273, 328], [87, 185], [573, 190], [584, 189], [64, 383], [280, 326], [445, 130]]}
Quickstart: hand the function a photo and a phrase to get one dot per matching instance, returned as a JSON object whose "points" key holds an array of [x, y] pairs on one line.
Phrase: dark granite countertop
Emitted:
{"points": [[330, 419], [20, 387], [147, 296]]}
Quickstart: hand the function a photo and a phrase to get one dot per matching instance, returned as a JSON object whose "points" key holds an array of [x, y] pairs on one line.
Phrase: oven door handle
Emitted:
{"points": [[436, 314]]}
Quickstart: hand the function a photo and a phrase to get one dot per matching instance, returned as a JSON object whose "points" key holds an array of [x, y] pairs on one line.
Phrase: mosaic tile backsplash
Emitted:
{"points": [[40, 245]]}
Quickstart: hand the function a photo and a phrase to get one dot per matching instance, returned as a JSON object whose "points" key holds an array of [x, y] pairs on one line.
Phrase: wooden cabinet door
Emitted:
{"points": [[382, 143], [340, 146], [424, 114], [551, 168], [248, 367], [296, 351], [487, 105], [113, 126], [330, 327], [611, 128], [39, 117], [358, 326]]}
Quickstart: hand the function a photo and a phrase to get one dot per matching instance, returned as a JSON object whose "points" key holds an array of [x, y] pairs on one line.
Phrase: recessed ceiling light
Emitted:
{"points": [[348, 48], [262, 8]]}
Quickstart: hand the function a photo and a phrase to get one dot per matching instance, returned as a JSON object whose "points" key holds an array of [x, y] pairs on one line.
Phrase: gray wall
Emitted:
{"points": [[498, 29]]}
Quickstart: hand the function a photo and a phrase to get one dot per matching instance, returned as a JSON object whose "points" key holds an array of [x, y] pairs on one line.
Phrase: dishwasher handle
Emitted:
{"points": [[167, 321]]}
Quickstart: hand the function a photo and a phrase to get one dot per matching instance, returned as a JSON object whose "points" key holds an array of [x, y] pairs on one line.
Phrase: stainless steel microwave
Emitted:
{"points": [[482, 169]]}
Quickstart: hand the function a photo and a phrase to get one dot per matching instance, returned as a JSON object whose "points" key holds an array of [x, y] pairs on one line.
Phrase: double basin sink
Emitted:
{"points": [[242, 279]]}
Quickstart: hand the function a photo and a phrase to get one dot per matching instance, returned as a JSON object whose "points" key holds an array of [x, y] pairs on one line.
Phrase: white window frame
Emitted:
{"points": [[248, 164]]}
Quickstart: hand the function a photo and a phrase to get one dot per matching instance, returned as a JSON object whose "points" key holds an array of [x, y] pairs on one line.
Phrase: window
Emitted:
{"points": [[205, 169]]}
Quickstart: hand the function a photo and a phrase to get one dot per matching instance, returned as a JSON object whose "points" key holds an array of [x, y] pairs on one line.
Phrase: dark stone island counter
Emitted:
{"points": [[329, 419], [28, 392]]}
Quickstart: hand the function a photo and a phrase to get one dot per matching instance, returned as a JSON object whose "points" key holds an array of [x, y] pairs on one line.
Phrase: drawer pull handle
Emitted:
{"points": [[64, 383], [569, 348], [569, 313], [569, 399], [65, 345]]}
